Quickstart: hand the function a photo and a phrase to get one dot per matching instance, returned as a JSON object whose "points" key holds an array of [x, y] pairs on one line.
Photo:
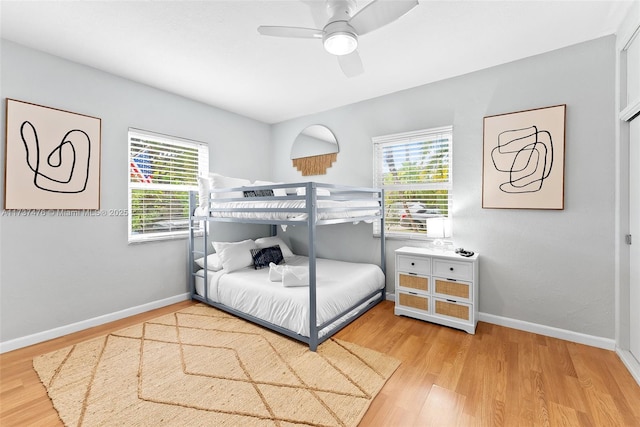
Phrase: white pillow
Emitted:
{"points": [[265, 242], [235, 255], [301, 191], [280, 192], [213, 262], [204, 185], [220, 181]]}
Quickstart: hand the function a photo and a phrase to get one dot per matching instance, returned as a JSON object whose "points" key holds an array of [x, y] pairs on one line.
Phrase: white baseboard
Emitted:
{"points": [[549, 331], [89, 323], [633, 366], [564, 334]]}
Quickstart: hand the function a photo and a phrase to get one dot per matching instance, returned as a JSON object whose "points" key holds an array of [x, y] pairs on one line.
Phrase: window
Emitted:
{"points": [[162, 171], [414, 169]]}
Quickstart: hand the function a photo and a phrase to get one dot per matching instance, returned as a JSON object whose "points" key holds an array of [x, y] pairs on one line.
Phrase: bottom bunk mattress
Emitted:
{"points": [[339, 286]]}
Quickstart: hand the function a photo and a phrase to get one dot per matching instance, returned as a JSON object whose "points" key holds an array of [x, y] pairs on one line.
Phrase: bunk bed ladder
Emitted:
{"points": [[192, 248]]}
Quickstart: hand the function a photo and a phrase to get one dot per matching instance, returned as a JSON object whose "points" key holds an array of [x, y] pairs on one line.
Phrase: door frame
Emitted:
{"points": [[625, 111]]}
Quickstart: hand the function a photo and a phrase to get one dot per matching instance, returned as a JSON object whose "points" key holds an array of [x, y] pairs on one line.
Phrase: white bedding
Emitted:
{"points": [[339, 285], [345, 209]]}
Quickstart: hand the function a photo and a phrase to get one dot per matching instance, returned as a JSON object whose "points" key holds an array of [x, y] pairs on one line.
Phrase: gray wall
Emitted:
{"points": [[56, 270], [553, 268]]}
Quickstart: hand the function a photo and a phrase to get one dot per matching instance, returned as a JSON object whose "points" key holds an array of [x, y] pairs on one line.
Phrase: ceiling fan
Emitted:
{"points": [[340, 34]]}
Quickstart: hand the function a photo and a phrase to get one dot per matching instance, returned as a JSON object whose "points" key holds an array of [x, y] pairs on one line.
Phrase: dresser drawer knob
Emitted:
{"points": [[451, 268], [413, 263]]}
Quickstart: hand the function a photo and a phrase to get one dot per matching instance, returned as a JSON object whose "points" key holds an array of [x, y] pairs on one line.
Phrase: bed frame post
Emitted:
{"points": [[192, 279], [313, 322], [206, 266], [383, 257]]}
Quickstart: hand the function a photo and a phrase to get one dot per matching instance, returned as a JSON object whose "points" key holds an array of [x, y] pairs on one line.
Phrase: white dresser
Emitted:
{"points": [[437, 286]]}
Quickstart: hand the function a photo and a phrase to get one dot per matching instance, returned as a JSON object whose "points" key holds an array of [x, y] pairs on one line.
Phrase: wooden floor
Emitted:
{"points": [[497, 377]]}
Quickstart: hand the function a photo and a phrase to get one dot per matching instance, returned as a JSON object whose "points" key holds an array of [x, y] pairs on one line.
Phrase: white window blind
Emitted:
{"points": [[414, 168], [162, 171]]}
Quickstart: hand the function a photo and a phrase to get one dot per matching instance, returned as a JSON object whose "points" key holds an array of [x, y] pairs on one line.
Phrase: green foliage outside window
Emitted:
{"points": [[416, 177], [161, 176]]}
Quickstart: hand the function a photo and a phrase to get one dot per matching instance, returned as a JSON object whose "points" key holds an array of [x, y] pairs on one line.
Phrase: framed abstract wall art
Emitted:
{"points": [[523, 159], [52, 158]]}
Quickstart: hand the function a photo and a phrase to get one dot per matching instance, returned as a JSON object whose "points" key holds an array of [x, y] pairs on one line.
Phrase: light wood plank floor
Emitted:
{"points": [[497, 377]]}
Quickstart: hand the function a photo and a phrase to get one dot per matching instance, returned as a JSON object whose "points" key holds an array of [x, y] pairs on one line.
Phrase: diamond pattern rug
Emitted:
{"points": [[200, 366]]}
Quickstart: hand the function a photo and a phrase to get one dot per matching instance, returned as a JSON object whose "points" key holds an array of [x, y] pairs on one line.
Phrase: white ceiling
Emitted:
{"points": [[210, 51]]}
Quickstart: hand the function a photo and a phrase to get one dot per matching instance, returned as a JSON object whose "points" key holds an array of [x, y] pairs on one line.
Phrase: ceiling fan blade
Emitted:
{"points": [[351, 64], [297, 32], [380, 13]]}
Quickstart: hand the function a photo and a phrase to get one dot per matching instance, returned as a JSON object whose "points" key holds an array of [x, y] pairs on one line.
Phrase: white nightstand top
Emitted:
{"points": [[410, 250]]}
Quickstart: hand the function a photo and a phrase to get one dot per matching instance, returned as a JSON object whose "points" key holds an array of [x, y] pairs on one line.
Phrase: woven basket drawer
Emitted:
{"points": [[414, 301], [452, 309], [458, 290], [413, 282], [415, 265]]}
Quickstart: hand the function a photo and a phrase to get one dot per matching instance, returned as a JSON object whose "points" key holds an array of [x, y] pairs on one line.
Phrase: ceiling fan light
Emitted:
{"points": [[340, 43]]}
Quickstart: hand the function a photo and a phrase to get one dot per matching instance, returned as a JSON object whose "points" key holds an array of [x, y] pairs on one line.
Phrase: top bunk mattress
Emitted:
{"points": [[225, 198], [339, 286], [288, 210]]}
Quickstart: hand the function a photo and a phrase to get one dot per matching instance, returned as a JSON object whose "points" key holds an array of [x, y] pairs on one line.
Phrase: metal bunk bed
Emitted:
{"points": [[309, 214]]}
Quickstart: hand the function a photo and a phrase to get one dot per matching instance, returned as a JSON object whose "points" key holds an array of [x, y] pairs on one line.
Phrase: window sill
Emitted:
{"points": [[447, 241], [164, 237]]}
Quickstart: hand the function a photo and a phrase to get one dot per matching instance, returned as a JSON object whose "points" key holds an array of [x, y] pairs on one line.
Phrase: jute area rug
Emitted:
{"points": [[202, 367]]}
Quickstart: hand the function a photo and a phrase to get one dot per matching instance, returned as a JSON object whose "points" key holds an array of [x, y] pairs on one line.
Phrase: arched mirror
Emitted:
{"points": [[314, 150]]}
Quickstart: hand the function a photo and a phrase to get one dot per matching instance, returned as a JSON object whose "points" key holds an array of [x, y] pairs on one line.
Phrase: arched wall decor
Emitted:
{"points": [[314, 150]]}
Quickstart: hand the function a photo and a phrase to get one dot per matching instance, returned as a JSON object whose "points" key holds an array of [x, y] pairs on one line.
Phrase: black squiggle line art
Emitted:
{"points": [[526, 155], [56, 160]]}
